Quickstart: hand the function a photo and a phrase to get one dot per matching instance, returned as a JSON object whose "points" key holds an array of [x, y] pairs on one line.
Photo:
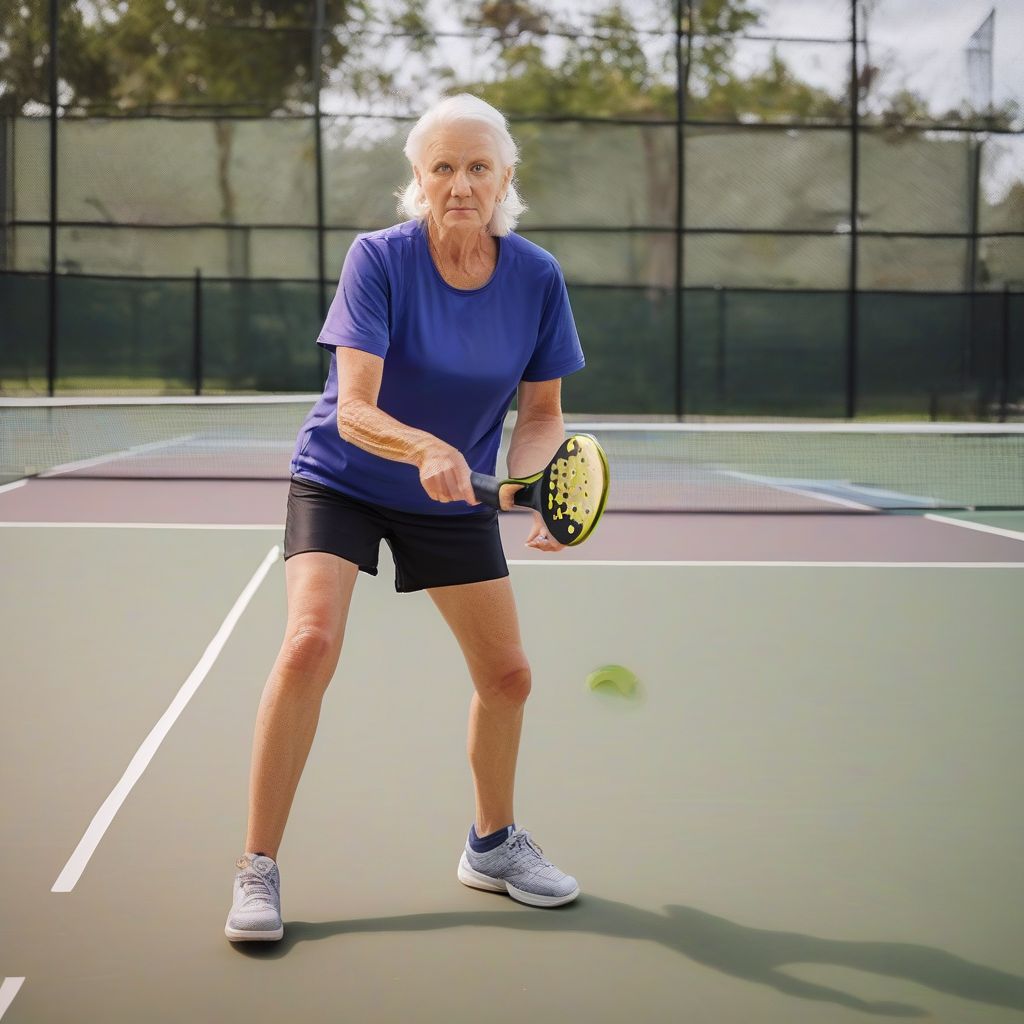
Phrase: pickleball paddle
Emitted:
{"points": [[569, 493]]}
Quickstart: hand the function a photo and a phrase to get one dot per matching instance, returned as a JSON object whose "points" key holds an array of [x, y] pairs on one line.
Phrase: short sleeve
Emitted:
{"points": [[358, 317], [558, 351]]}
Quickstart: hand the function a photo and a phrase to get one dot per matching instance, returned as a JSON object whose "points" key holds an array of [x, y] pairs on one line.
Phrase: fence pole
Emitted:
{"points": [[52, 323], [684, 8], [318, 34], [969, 351], [851, 302], [197, 331], [7, 126], [1004, 360], [720, 353]]}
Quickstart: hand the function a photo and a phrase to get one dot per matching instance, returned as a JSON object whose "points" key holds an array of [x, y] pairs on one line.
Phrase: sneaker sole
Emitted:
{"points": [[243, 935], [476, 880]]}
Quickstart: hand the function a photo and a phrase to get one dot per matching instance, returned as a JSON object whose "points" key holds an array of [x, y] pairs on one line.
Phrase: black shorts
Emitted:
{"points": [[428, 550]]}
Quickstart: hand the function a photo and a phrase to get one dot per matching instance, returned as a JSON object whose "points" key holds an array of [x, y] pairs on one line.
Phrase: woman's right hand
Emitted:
{"points": [[444, 473]]}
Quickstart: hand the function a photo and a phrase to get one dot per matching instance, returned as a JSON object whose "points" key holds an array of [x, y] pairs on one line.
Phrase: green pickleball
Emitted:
{"points": [[617, 676]]}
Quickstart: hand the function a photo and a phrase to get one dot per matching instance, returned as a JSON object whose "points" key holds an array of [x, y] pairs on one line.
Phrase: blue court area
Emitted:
{"points": [[809, 812]]}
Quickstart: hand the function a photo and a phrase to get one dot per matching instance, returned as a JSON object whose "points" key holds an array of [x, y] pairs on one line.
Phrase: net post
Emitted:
{"points": [[197, 331]]}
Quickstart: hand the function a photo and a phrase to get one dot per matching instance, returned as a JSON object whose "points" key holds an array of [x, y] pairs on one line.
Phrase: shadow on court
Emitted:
{"points": [[752, 954]]}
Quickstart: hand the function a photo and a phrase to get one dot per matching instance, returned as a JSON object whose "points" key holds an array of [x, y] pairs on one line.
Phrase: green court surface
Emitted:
{"points": [[812, 813]]}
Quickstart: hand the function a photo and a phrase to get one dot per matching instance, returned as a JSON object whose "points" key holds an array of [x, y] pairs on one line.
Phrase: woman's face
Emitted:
{"points": [[462, 177]]}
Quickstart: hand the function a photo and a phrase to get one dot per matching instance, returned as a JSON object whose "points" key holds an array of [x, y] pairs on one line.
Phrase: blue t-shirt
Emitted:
{"points": [[453, 358]]}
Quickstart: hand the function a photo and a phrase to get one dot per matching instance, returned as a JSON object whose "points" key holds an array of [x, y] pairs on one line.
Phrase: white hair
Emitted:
{"points": [[464, 107]]}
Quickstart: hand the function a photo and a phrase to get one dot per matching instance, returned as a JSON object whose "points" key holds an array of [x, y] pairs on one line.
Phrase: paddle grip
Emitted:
{"points": [[486, 489]]}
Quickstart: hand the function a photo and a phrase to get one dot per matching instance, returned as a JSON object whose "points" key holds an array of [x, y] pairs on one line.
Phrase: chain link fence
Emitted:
{"points": [[791, 209]]}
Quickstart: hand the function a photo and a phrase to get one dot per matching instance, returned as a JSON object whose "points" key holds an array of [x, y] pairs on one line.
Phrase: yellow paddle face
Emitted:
{"points": [[577, 486]]}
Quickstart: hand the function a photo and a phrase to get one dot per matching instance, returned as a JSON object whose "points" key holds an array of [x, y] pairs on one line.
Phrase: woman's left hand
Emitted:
{"points": [[539, 537]]}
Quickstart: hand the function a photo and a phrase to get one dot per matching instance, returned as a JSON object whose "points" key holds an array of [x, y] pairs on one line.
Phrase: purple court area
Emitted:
{"points": [[621, 536]]}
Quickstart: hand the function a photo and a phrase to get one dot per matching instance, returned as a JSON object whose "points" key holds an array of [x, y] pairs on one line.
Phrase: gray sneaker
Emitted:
{"points": [[256, 909], [519, 868]]}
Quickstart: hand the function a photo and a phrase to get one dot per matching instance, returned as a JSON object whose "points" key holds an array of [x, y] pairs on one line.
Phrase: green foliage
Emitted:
{"points": [[254, 57], [25, 50], [250, 57], [774, 93], [906, 108], [605, 74], [608, 72], [714, 24]]}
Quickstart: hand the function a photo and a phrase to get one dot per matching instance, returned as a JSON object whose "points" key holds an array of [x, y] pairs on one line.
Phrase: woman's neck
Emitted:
{"points": [[465, 259]]}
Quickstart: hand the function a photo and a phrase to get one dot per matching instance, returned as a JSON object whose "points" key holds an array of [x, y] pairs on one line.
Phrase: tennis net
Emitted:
{"points": [[672, 467]]}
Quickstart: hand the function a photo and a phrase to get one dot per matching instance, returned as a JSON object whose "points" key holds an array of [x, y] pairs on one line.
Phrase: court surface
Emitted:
{"points": [[810, 814]]}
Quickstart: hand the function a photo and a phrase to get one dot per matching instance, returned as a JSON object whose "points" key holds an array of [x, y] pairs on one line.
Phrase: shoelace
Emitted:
{"points": [[523, 838], [256, 888]]}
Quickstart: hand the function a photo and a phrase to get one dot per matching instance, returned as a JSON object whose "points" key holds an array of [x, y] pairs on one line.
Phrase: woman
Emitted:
{"points": [[437, 324]]}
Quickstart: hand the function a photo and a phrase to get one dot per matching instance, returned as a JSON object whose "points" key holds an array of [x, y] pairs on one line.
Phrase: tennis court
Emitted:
{"points": [[810, 812], [786, 239]]}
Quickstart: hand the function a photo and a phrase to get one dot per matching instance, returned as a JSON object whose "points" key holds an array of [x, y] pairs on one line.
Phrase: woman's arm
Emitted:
{"points": [[444, 472], [538, 432], [539, 428]]}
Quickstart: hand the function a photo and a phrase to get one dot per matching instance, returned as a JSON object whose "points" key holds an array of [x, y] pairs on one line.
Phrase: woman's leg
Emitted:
{"points": [[483, 618], [319, 588]]}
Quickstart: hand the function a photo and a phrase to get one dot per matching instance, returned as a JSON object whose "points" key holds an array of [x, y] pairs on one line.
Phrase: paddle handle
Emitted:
{"points": [[486, 489]]}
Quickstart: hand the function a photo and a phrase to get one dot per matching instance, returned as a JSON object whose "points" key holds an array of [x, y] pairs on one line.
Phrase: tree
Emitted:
{"points": [[611, 70], [774, 93], [187, 57], [905, 109], [25, 50], [238, 56], [604, 72], [711, 27]]}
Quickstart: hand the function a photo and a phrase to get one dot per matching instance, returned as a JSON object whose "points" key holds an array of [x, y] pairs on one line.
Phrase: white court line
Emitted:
{"points": [[13, 486], [8, 990], [999, 531], [799, 491], [145, 526], [147, 401], [72, 872], [126, 453], [813, 427], [564, 563]]}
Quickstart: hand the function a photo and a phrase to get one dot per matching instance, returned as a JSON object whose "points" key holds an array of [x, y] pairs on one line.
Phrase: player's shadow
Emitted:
{"points": [[753, 954]]}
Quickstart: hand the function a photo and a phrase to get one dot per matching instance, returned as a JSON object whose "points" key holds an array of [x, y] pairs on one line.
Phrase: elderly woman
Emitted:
{"points": [[437, 324]]}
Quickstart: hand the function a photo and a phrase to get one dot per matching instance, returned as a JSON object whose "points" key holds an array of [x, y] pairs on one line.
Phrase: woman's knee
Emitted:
{"points": [[510, 685], [310, 648]]}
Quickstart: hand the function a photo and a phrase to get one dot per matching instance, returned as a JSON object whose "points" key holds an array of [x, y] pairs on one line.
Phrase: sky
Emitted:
{"points": [[924, 39]]}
